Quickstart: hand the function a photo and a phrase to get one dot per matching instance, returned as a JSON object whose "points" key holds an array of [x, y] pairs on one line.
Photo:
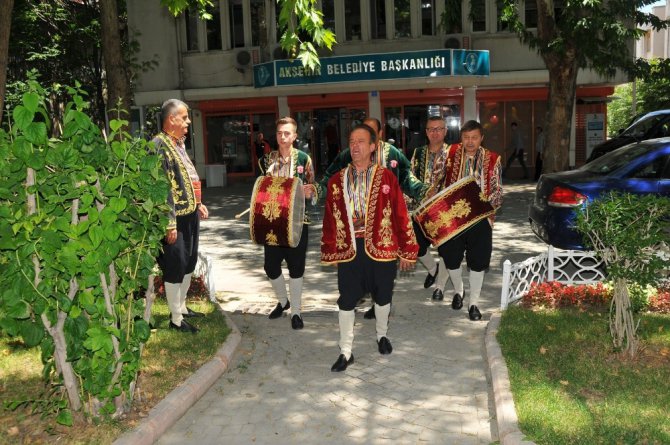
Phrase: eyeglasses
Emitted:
{"points": [[435, 129]]}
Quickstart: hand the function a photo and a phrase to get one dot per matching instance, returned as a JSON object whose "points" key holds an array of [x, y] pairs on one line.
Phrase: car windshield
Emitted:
{"points": [[616, 159], [640, 128]]}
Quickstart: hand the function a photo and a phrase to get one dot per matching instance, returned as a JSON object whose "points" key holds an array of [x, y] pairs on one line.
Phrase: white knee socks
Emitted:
{"points": [[442, 276], [428, 262], [173, 297], [382, 315], [279, 286], [476, 281], [183, 291], [346, 319], [456, 280], [295, 292]]}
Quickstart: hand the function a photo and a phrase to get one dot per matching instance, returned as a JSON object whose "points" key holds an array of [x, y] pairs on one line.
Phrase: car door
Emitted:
{"points": [[648, 176]]}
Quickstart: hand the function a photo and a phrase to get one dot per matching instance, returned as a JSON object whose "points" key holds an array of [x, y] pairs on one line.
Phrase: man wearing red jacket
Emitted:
{"points": [[366, 229]]}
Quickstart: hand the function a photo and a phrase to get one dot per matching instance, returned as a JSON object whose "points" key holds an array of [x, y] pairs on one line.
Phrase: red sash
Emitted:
{"points": [[197, 191]]}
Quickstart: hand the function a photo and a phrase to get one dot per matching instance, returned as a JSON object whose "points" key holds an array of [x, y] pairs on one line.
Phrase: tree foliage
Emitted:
{"points": [[81, 221], [573, 35], [627, 231]]}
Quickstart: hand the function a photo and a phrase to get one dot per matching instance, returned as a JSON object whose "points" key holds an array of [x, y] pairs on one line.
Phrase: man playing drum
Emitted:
{"points": [[384, 155], [428, 166], [469, 158], [288, 161], [366, 229]]}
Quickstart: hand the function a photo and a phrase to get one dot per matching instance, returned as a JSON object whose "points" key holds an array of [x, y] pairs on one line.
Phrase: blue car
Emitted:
{"points": [[640, 168]]}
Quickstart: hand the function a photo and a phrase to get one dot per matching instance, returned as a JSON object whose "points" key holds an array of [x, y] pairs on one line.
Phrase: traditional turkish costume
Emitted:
{"points": [[476, 242], [366, 228], [386, 155], [297, 164], [177, 261]]}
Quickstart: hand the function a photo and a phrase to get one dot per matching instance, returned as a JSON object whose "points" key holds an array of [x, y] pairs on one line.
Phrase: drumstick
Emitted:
{"points": [[240, 215]]}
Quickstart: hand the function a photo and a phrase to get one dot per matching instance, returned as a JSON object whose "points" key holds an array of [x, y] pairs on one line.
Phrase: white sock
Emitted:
{"points": [[428, 262], [456, 280], [382, 315], [442, 277], [295, 292], [476, 282], [279, 286], [346, 319], [172, 295], [183, 289]]}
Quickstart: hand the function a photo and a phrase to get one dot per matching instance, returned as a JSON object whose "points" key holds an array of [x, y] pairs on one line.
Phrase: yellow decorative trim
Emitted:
{"points": [[385, 231], [460, 209]]}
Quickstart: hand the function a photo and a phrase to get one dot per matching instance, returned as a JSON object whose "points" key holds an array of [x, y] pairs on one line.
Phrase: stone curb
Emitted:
{"points": [[508, 422], [174, 405]]}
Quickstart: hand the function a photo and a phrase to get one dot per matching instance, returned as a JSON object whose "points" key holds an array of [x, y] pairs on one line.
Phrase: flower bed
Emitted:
{"points": [[552, 294], [198, 288]]}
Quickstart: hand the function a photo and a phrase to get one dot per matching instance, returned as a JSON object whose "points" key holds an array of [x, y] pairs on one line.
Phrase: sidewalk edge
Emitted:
{"points": [[174, 405], [508, 422]]}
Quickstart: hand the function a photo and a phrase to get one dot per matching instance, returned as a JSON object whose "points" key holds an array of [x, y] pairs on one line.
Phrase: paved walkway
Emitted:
{"points": [[433, 388]]}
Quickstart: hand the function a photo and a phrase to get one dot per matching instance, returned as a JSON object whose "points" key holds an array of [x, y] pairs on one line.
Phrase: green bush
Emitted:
{"points": [[81, 220]]}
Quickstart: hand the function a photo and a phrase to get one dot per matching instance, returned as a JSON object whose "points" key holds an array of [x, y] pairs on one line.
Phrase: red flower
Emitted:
{"points": [[301, 169], [394, 163], [386, 189]]}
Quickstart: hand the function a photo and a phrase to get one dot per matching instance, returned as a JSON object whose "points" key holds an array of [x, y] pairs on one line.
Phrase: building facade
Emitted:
{"points": [[210, 65]]}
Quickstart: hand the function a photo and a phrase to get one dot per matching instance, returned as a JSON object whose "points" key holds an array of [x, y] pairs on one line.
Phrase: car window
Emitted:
{"points": [[651, 170], [616, 159], [640, 128]]}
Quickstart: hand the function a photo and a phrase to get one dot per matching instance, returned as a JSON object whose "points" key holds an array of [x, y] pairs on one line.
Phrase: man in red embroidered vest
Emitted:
{"points": [[180, 246], [469, 158], [366, 229]]}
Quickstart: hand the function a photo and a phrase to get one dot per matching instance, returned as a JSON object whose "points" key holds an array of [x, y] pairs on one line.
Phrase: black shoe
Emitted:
{"points": [[192, 314], [296, 322], [474, 313], [430, 279], [342, 363], [438, 295], [384, 346], [457, 302], [370, 313], [278, 310], [184, 327]]}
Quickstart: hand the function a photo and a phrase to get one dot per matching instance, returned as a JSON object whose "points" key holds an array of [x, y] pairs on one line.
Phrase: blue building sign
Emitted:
{"points": [[402, 65]]}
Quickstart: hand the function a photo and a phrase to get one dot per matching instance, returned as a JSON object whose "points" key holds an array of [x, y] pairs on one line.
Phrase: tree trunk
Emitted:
{"points": [[118, 85], [622, 322], [5, 27], [562, 90]]}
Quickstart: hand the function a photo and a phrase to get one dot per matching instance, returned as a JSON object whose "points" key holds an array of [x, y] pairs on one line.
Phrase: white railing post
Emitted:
{"points": [[507, 267], [550, 263]]}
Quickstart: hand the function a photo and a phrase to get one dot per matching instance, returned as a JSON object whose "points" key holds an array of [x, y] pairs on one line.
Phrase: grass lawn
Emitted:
{"points": [[169, 358], [571, 387]]}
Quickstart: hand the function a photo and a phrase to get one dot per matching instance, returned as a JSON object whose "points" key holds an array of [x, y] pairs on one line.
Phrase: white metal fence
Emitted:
{"points": [[564, 266]]}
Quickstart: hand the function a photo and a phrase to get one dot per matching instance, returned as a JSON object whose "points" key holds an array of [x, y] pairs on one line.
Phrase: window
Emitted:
{"points": [[259, 34], [378, 19], [403, 23], [191, 19], [229, 142], [328, 9], [531, 14], [501, 25], [478, 15], [213, 27], [428, 22], [451, 20], [352, 23], [236, 24]]}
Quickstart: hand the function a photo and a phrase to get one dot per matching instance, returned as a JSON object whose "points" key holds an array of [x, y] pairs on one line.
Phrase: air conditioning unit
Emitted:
{"points": [[246, 58], [457, 42]]}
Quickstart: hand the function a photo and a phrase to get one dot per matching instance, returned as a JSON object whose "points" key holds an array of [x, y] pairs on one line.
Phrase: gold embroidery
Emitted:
{"points": [[385, 232], [460, 209], [482, 197], [409, 233], [336, 191], [271, 238], [340, 233], [272, 209]]}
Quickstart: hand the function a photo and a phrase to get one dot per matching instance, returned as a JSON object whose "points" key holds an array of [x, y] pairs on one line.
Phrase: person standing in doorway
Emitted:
{"points": [[539, 150], [516, 146]]}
